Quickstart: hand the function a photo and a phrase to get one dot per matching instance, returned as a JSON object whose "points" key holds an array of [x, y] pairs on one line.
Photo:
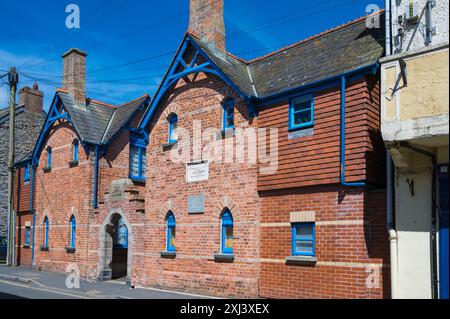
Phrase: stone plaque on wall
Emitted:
{"points": [[197, 172], [196, 204], [117, 189]]}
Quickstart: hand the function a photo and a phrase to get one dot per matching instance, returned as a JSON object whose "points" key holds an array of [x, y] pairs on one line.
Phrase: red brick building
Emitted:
{"points": [[260, 178]]}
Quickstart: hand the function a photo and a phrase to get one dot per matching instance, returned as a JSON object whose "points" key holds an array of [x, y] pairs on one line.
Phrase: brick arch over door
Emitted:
{"points": [[104, 270]]}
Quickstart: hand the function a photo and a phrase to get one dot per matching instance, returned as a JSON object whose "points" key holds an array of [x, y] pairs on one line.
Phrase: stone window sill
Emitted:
{"points": [[44, 248], [223, 258], [70, 250], [169, 146], [47, 169], [306, 260], [168, 254], [73, 163]]}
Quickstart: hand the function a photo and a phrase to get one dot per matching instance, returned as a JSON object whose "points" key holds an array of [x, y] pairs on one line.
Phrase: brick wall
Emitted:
{"points": [[60, 193], [23, 252], [198, 236], [350, 238]]}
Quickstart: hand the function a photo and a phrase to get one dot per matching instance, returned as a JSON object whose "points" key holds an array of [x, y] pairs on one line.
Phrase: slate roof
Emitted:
{"points": [[334, 52], [98, 123]]}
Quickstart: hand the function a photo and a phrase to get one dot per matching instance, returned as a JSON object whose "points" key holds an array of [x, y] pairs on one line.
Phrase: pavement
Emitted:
{"points": [[24, 282]]}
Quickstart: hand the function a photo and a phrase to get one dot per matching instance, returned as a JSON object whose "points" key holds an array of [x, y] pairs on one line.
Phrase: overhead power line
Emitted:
{"points": [[59, 38]]}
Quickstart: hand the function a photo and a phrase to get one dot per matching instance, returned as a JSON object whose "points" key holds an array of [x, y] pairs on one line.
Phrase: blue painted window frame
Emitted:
{"points": [[73, 231], [295, 239], [171, 225], [46, 230], [292, 112], [76, 148], [227, 222], [121, 235], [141, 148], [49, 157], [173, 125], [228, 114], [27, 235], [26, 174]]}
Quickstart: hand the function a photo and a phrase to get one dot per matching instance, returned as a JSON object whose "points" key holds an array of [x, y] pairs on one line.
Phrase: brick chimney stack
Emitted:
{"points": [[32, 99], [207, 22], [74, 74]]}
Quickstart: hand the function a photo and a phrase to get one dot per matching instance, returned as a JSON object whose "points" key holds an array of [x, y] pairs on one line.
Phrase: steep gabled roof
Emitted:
{"points": [[336, 51], [97, 122]]}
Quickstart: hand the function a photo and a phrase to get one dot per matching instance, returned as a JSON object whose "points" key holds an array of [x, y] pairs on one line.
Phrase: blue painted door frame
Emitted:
{"points": [[443, 231]]}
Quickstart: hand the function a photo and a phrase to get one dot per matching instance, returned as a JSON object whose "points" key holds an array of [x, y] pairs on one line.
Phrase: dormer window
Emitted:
{"points": [[173, 128]]}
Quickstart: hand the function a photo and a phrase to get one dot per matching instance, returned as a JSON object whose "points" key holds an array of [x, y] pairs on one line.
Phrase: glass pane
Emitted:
{"points": [[299, 106], [229, 237], [144, 163], [304, 232], [304, 247], [134, 162], [172, 232], [174, 132], [302, 117]]}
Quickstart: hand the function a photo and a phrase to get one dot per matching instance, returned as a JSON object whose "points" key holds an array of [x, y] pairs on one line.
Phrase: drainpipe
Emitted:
{"points": [[392, 232], [33, 211], [343, 104], [388, 18], [433, 157], [96, 176]]}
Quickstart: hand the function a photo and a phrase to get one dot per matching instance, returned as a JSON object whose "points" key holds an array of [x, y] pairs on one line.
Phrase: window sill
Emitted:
{"points": [[138, 180], [224, 258], [169, 146], [47, 169], [44, 248], [73, 163], [70, 250], [168, 254], [307, 260]]}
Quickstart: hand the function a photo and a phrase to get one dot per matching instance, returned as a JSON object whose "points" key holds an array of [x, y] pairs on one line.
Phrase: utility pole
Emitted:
{"points": [[13, 78]]}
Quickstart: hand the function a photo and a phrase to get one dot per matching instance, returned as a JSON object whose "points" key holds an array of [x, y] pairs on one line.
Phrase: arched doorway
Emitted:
{"points": [[115, 252], [120, 248]]}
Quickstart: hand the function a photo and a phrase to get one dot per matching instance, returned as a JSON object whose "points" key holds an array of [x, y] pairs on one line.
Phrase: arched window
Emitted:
{"points": [[171, 232], [121, 235], [49, 157], [76, 144], [173, 128], [228, 115], [227, 232], [73, 231], [46, 231]]}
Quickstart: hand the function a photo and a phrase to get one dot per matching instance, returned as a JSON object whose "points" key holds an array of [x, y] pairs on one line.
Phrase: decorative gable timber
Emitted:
{"points": [[180, 68], [56, 114]]}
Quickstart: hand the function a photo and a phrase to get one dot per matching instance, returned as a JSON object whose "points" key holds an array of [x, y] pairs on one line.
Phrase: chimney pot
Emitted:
{"points": [[35, 87]]}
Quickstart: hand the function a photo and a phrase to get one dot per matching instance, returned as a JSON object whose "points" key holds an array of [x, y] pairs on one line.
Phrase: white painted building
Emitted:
{"points": [[415, 127]]}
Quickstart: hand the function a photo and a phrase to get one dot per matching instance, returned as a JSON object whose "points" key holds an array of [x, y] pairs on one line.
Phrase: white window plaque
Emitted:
{"points": [[197, 172]]}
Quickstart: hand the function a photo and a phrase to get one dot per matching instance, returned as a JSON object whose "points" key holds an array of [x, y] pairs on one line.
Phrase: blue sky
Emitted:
{"points": [[116, 32]]}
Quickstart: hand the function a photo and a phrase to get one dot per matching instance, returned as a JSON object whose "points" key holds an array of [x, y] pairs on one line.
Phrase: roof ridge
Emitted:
{"points": [[314, 37], [102, 103], [135, 100]]}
